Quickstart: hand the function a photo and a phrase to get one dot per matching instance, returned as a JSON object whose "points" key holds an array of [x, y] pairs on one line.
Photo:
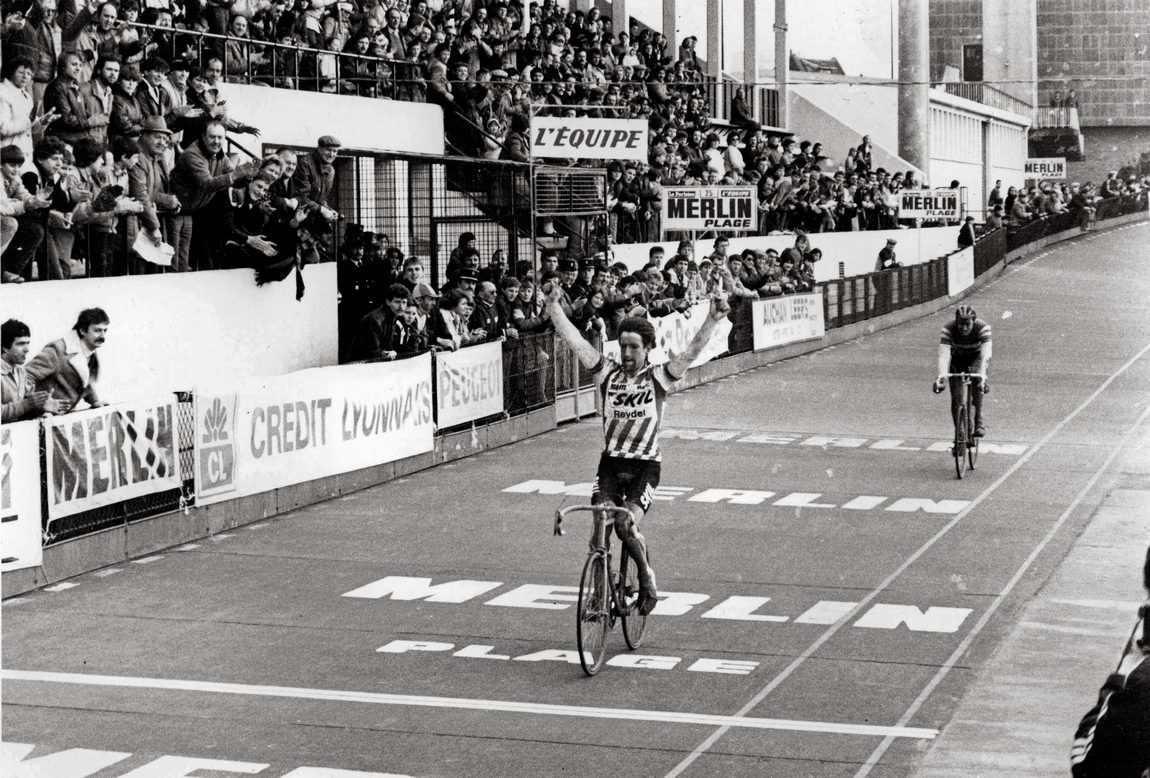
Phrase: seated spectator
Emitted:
{"points": [[21, 234]]}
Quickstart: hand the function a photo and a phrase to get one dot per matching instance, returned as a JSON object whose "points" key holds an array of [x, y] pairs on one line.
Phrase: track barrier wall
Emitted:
{"points": [[163, 453]]}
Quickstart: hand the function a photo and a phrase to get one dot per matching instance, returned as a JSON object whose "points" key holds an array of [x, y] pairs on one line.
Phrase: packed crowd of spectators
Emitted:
{"points": [[389, 309], [1017, 207]]}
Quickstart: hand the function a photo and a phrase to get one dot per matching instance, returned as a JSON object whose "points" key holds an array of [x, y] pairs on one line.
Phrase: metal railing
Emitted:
{"points": [[1055, 116], [987, 94]]}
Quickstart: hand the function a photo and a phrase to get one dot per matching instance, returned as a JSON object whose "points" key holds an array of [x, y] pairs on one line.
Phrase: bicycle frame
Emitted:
{"points": [[965, 444], [600, 542]]}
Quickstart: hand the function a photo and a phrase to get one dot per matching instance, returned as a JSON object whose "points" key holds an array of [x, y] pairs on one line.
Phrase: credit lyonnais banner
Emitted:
{"points": [[710, 208], [110, 454], [788, 319], [20, 534], [310, 424], [469, 383], [573, 138], [1045, 167], [928, 204]]}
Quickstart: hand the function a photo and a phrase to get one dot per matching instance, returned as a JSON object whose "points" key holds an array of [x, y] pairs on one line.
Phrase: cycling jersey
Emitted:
{"points": [[632, 409], [968, 346]]}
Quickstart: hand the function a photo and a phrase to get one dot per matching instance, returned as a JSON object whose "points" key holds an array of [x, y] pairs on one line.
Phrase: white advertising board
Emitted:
{"points": [[1045, 167], [928, 204], [307, 425], [700, 208], [788, 319], [468, 383], [110, 454], [20, 534], [572, 138], [959, 271]]}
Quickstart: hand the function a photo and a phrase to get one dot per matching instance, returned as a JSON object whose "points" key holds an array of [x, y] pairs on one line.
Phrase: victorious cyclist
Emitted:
{"points": [[965, 348], [633, 393]]}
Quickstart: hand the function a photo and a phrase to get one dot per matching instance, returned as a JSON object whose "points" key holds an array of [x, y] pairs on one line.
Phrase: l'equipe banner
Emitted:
{"points": [[1045, 167], [469, 383], [20, 535], [110, 454], [928, 204], [572, 138], [788, 319], [959, 271], [310, 424], [701, 208]]}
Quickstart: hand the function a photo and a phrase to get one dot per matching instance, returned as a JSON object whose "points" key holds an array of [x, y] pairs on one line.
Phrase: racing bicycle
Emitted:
{"points": [[965, 448], [604, 594]]}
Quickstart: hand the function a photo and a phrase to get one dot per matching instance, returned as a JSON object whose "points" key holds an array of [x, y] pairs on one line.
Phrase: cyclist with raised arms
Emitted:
{"points": [[633, 393], [965, 348]]}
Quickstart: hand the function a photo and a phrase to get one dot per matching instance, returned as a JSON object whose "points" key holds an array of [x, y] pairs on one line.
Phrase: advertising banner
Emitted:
{"points": [[702, 208], [929, 204], [1045, 167], [788, 319], [110, 454], [673, 333], [468, 383], [959, 271], [572, 138], [302, 426], [20, 534]]}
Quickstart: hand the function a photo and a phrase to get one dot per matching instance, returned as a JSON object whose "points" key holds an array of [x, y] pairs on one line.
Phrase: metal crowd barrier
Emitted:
{"points": [[539, 375]]}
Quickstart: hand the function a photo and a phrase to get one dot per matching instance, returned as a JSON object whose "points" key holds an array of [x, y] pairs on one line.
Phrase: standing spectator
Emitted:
{"points": [[149, 182], [68, 369], [451, 330], [127, 116], [994, 219], [16, 106], [41, 41], [95, 34], [966, 235], [486, 314], [20, 399], [315, 177], [201, 173], [182, 112], [1113, 738], [886, 257], [20, 232], [74, 116], [379, 334], [100, 96], [151, 96]]}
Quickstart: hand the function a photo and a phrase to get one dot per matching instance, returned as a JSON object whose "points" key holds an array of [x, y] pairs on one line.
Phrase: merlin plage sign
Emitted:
{"points": [[929, 204], [1045, 167]]}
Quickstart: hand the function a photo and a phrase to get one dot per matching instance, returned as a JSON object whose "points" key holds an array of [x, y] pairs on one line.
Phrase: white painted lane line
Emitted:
{"points": [[831, 631], [148, 560], [1001, 597], [461, 703], [61, 587]]}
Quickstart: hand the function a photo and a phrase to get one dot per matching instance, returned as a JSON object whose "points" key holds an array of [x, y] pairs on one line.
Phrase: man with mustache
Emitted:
{"points": [[67, 369]]}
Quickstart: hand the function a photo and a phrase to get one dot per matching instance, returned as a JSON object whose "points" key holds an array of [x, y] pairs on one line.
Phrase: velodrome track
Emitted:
{"points": [[831, 589]]}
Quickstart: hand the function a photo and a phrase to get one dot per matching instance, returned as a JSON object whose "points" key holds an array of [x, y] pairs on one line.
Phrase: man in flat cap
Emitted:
{"points": [[886, 257], [315, 177]]}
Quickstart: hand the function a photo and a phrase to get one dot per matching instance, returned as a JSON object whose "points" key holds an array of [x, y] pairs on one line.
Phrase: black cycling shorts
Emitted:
{"points": [[623, 481], [966, 364]]}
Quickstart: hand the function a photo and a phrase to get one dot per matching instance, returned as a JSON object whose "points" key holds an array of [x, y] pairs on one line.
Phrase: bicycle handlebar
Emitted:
{"points": [[608, 509]]}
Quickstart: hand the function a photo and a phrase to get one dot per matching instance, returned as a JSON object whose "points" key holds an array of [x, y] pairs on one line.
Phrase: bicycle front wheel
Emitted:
{"points": [[633, 620], [961, 438], [593, 614]]}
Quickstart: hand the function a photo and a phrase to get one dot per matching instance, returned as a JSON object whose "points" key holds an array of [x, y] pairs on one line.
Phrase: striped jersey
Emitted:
{"points": [[632, 409], [968, 345]]}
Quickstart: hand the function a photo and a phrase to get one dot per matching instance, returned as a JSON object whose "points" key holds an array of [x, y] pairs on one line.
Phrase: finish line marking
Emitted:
{"points": [[459, 703]]}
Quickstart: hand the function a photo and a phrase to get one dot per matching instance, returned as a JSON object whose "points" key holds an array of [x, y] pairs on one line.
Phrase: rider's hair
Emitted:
{"points": [[641, 327]]}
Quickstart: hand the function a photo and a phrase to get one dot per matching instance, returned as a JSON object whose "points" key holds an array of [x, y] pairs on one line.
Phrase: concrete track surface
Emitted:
{"points": [[832, 593]]}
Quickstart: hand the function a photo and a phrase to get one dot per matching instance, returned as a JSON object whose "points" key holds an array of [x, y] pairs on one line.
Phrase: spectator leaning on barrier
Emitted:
{"points": [[53, 258], [966, 234], [1113, 738], [379, 335], [68, 368], [886, 257], [20, 398]]}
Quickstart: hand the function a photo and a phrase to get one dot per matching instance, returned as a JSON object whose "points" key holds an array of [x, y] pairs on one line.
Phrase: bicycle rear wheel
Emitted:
{"points": [[961, 438], [593, 614], [633, 620]]}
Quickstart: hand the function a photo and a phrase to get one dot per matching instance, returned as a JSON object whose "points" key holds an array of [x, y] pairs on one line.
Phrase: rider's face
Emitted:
{"points": [[965, 326], [632, 352]]}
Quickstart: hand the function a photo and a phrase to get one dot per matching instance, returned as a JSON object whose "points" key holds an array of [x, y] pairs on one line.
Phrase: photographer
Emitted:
{"points": [[1113, 739]]}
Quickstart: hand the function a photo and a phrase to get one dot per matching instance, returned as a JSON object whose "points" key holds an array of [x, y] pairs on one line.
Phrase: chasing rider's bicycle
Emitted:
{"points": [[965, 449], [604, 594]]}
